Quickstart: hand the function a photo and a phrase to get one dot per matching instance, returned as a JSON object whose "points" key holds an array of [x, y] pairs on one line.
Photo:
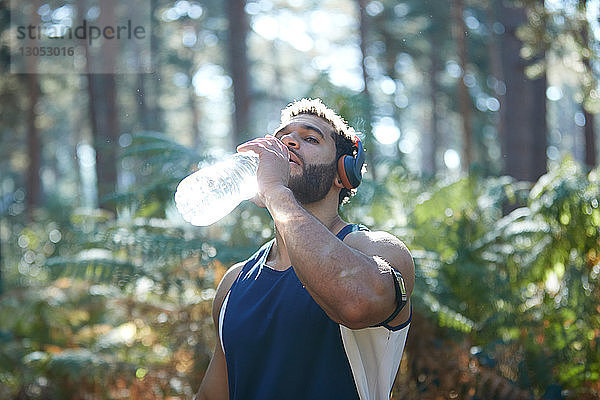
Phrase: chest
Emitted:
{"points": [[267, 307]]}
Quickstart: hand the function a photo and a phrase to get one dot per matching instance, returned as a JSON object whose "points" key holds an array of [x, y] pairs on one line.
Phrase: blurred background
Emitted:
{"points": [[479, 119]]}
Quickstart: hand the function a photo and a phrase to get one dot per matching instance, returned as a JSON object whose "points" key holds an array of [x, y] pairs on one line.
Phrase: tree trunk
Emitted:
{"points": [[79, 126], [363, 28], [370, 144], [152, 98], [496, 67], [1, 259], [588, 129], [538, 126], [105, 134], [464, 99], [193, 103], [144, 113], [524, 116], [591, 159], [239, 67], [34, 148], [104, 120], [148, 113], [34, 182], [430, 166]]}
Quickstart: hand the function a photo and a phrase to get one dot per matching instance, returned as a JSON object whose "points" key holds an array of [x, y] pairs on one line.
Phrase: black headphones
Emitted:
{"points": [[350, 167]]}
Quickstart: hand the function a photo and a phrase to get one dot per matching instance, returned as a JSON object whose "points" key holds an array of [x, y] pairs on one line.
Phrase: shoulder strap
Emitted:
{"points": [[256, 257], [350, 228]]}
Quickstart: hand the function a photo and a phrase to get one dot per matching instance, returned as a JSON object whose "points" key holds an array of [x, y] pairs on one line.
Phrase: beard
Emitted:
{"points": [[314, 183]]}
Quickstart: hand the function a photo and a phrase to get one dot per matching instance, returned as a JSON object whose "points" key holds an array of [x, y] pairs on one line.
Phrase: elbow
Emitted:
{"points": [[357, 317], [366, 312]]}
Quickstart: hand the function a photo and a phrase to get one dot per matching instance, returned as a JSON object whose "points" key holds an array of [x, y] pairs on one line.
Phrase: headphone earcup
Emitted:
{"points": [[347, 172]]}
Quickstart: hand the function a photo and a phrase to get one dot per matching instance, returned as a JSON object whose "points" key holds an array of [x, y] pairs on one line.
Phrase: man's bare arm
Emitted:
{"points": [[352, 283]]}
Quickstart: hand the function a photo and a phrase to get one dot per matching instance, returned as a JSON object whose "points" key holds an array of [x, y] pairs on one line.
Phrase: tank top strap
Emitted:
{"points": [[256, 258], [350, 228]]}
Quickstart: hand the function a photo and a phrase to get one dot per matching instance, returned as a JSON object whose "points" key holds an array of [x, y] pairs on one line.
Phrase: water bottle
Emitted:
{"points": [[211, 193]]}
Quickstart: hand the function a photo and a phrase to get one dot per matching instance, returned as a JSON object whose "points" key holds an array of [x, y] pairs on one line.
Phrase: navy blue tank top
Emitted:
{"points": [[278, 342]]}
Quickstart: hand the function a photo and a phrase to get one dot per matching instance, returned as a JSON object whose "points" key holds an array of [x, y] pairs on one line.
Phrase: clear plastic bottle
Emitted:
{"points": [[211, 193]]}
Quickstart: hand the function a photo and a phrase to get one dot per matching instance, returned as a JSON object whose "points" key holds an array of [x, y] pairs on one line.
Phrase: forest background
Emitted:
{"points": [[479, 118]]}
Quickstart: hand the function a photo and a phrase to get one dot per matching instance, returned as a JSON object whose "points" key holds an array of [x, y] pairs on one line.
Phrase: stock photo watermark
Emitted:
{"points": [[102, 36]]}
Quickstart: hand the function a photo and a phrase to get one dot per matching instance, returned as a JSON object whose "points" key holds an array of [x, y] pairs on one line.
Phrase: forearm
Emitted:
{"points": [[344, 281]]}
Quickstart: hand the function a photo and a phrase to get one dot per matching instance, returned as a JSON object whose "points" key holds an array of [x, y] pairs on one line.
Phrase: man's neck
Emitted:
{"points": [[324, 212]]}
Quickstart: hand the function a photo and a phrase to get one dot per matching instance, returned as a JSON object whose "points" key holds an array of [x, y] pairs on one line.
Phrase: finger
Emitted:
{"points": [[274, 140], [262, 150], [283, 147], [252, 145], [258, 141], [277, 143], [272, 145]]}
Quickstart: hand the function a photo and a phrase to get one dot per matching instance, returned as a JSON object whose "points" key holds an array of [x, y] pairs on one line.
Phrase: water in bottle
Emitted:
{"points": [[209, 194]]}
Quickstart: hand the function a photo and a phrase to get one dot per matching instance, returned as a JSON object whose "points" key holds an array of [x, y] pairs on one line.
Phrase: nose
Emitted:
{"points": [[290, 141]]}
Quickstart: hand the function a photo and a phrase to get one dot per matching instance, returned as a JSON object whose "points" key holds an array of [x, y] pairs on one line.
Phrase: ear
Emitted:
{"points": [[337, 181]]}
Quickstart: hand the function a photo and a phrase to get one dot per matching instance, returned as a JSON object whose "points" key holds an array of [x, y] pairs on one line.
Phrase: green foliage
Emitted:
{"points": [[526, 282], [163, 163]]}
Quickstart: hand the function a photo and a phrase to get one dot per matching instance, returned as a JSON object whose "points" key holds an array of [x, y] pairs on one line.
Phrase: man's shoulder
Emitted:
{"points": [[224, 286], [233, 272], [230, 277], [366, 239], [384, 245]]}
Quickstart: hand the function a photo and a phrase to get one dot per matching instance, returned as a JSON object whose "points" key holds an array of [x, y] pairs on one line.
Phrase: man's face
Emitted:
{"points": [[313, 165]]}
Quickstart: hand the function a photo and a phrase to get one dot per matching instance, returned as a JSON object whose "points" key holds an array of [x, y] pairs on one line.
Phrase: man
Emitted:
{"points": [[301, 318]]}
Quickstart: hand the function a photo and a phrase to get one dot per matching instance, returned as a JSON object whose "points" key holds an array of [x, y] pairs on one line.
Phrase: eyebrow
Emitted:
{"points": [[305, 126]]}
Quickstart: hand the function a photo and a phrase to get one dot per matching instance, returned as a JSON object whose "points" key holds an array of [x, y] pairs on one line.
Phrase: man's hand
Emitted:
{"points": [[274, 166]]}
